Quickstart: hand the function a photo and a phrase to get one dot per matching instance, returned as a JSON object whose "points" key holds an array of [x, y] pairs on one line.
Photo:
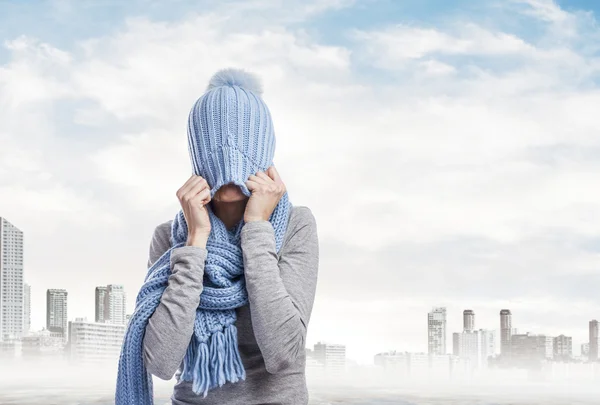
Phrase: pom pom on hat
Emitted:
{"points": [[236, 77]]}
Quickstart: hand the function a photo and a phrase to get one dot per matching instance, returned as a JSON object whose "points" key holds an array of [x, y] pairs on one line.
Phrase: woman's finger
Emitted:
{"points": [[252, 185], [203, 195], [189, 184], [274, 175], [197, 187], [264, 176], [258, 179]]}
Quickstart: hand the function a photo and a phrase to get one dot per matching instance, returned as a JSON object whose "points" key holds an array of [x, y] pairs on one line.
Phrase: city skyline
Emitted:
{"points": [[484, 343], [110, 306]]}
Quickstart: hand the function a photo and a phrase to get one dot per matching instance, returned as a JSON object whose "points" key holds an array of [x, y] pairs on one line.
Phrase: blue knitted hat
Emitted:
{"points": [[230, 131]]}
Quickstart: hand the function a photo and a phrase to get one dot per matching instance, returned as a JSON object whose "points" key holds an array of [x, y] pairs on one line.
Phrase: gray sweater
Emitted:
{"points": [[271, 327]]}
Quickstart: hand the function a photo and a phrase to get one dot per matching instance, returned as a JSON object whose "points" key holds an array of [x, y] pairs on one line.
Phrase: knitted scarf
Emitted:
{"points": [[212, 357]]}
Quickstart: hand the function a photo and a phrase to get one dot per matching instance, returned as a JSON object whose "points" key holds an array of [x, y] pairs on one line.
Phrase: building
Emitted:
{"points": [[477, 346], [313, 366], [546, 346], [563, 348], [94, 341], [42, 343], [26, 309], [528, 350], [505, 332], [594, 341], [468, 320], [56, 311], [99, 303], [585, 349], [436, 330], [331, 355], [11, 281], [110, 304], [393, 361]]}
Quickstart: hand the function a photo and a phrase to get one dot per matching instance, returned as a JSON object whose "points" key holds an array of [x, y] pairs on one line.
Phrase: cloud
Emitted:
{"points": [[546, 10], [400, 42]]}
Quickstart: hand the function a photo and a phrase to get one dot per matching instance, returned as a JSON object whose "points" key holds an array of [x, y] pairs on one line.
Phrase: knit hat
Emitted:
{"points": [[230, 131]]}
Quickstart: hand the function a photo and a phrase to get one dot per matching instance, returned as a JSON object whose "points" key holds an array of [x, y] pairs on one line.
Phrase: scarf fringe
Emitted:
{"points": [[212, 363]]}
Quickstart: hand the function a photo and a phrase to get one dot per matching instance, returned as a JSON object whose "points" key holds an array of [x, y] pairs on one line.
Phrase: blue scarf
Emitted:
{"points": [[212, 357]]}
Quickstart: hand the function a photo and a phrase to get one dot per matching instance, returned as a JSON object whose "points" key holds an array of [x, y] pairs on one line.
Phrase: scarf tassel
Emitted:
{"points": [[213, 362], [201, 372], [234, 360]]}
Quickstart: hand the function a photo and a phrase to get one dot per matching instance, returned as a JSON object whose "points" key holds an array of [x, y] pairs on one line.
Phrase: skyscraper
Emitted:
{"points": [[26, 309], [594, 341], [505, 331], [436, 330], [56, 311], [471, 344], [468, 320], [11, 281], [99, 305], [110, 304]]}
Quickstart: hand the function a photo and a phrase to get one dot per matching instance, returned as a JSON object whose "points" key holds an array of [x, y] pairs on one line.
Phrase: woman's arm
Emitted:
{"points": [[170, 327], [281, 292]]}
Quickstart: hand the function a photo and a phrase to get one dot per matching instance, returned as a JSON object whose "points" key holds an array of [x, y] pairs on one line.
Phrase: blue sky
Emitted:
{"points": [[462, 139], [64, 22]]}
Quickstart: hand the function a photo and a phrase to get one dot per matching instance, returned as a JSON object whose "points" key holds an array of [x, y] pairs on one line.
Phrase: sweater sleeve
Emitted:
{"points": [[281, 291], [170, 327]]}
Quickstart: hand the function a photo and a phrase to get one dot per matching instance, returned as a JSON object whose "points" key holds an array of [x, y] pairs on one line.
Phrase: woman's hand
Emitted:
{"points": [[266, 190], [193, 196]]}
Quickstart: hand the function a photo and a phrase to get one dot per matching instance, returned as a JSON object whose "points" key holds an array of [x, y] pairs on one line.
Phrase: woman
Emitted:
{"points": [[231, 280]]}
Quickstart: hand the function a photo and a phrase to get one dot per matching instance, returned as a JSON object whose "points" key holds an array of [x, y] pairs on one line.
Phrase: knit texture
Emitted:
{"points": [[230, 137], [230, 130]]}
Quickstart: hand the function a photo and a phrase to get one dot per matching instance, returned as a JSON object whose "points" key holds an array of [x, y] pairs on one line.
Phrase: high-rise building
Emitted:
{"points": [[468, 320], [505, 331], [529, 349], [475, 345], [331, 355], [26, 309], [110, 304], [563, 347], [94, 341], [594, 341], [99, 303], [56, 311], [11, 281], [436, 330]]}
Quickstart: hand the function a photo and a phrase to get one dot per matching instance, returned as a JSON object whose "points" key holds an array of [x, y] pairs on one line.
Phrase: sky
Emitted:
{"points": [[447, 149]]}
